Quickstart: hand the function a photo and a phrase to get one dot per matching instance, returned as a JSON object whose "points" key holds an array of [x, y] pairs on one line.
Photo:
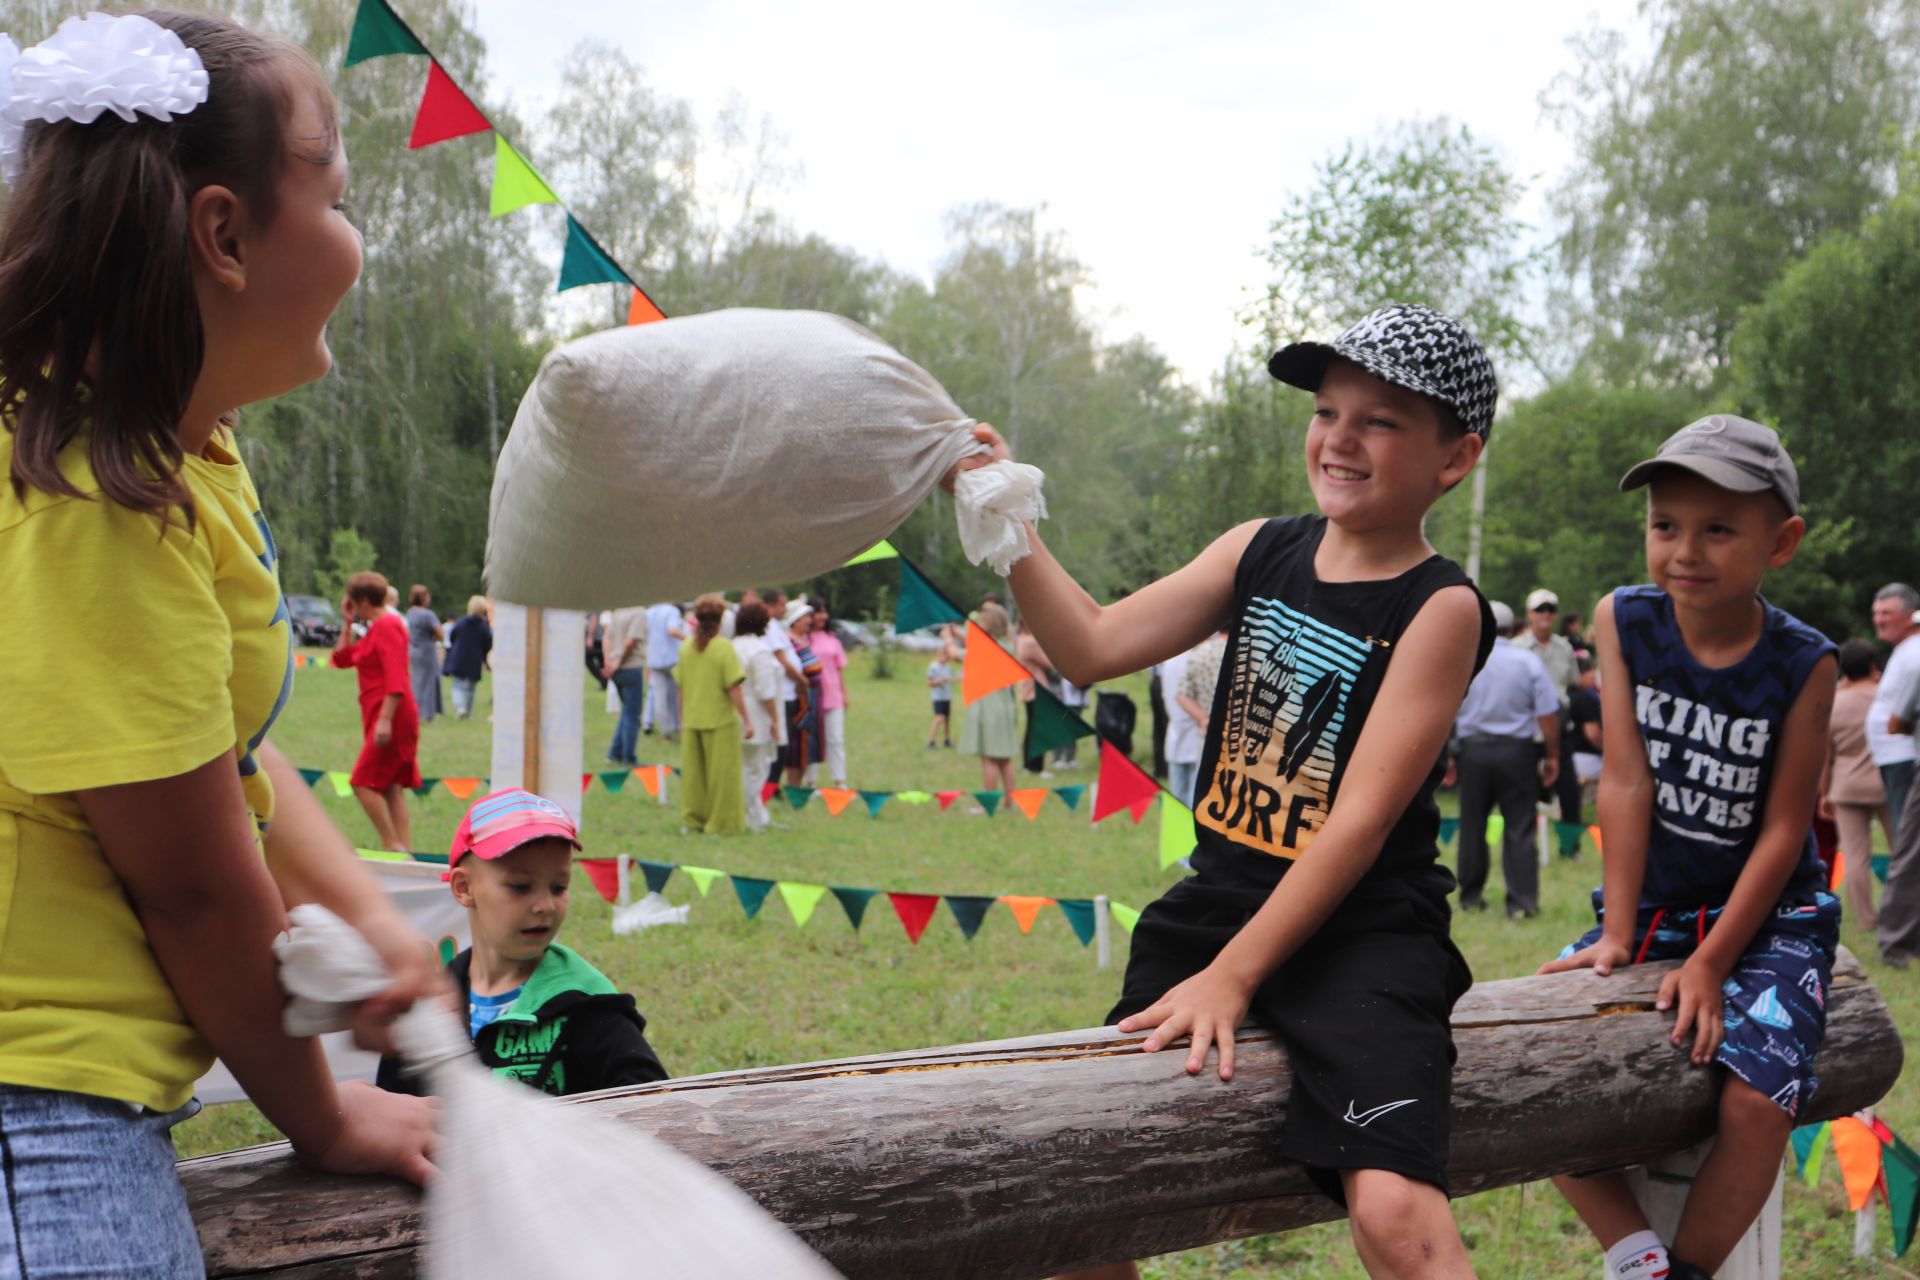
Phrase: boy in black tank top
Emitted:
{"points": [[1318, 906]]}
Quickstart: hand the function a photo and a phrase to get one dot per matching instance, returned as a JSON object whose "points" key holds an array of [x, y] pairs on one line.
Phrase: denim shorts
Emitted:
{"points": [[88, 1188]]}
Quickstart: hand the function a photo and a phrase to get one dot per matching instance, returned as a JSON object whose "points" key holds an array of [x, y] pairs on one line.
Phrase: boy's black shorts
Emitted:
{"points": [[1364, 1010]]}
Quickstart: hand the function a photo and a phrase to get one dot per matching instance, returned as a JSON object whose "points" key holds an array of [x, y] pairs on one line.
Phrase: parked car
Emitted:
{"points": [[314, 621], [853, 635], [925, 640]]}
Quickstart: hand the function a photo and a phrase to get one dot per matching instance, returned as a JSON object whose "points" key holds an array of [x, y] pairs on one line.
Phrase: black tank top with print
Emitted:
{"points": [[1303, 665]]}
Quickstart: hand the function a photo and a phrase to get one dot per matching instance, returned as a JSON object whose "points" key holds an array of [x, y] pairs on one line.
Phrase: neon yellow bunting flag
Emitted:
{"points": [[342, 785], [702, 877], [515, 184], [802, 899], [1176, 831], [881, 550], [383, 855], [1126, 915]]}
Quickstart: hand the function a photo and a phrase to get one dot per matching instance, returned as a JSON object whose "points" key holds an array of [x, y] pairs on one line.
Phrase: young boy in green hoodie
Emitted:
{"points": [[538, 1013]]}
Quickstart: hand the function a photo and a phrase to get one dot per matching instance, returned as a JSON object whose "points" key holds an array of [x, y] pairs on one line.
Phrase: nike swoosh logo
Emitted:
{"points": [[1367, 1117]]}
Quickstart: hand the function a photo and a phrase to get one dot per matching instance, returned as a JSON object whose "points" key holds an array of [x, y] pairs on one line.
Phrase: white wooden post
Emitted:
{"points": [[624, 893], [1863, 1223], [1102, 930], [538, 701], [1540, 834], [1662, 1188]]}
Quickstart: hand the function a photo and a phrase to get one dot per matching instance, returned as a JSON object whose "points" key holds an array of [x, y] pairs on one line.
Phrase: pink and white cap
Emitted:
{"points": [[502, 821]]}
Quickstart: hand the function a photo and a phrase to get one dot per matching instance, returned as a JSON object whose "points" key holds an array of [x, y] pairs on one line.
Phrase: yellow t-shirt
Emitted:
{"points": [[125, 655]]}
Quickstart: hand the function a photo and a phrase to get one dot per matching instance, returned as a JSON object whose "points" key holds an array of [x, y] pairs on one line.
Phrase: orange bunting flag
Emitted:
{"points": [[914, 910], [1123, 785], [1028, 800], [987, 668], [1857, 1149], [1594, 831], [445, 112], [1839, 870], [837, 799], [650, 779], [1025, 909], [642, 311], [461, 788]]}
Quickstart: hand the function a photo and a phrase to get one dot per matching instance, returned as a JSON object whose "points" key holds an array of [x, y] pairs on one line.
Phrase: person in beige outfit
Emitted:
{"points": [[1851, 793]]}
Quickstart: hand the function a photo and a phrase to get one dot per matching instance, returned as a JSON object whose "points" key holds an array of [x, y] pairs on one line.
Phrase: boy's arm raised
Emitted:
{"points": [[1425, 681], [1625, 804], [1089, 642]]}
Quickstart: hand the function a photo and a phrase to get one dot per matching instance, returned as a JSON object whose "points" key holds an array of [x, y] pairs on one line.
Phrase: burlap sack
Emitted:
{"points": [[711, 452]]}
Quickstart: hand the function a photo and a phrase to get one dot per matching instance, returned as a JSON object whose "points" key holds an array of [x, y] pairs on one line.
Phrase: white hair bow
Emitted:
{"points": [[123, 64]]}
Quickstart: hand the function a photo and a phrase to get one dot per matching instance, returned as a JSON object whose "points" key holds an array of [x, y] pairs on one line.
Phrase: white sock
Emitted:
{"points": [[1640, 1256]]}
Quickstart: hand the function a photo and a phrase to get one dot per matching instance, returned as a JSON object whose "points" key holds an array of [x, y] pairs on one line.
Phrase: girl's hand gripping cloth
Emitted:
{"points": [[995, 503]]}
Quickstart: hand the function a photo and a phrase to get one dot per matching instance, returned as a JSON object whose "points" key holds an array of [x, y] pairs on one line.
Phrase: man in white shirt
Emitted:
{"points": [[1894, 752], [666, 628]]}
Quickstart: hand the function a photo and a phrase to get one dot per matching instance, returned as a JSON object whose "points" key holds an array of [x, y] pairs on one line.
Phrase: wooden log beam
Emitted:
{"points": [[1020, 1158]]}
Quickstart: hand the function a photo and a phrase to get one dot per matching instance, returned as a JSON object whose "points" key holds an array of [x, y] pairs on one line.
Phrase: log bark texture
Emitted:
{"points": [[1021, 1158]]}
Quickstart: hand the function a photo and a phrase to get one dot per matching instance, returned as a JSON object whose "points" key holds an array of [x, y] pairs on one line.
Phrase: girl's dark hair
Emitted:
{"points": [[708, 610], [1857, 659], [750, 620], [95, 264], [417, 594]]}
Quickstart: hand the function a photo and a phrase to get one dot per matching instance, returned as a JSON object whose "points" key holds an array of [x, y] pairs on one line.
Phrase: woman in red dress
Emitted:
{"points": [[389, 760]]}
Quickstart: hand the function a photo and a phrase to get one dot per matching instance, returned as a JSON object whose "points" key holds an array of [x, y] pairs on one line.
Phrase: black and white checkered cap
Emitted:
{"points": [[1411, 346]]}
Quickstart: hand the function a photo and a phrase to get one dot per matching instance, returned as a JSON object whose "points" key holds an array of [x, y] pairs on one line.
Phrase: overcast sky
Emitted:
{"points": [[1163, 138]]}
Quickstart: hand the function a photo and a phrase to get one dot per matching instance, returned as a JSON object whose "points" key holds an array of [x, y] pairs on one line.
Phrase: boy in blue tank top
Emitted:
{"points": [[1715, 709], [1318, 907]]}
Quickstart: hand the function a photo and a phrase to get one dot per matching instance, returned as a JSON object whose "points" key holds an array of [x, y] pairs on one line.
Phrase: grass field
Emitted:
{"points": [[728, 992]]}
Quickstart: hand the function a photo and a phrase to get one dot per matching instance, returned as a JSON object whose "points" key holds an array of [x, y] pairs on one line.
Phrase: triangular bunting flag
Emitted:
{"points": [[515, 184], [1028, 800], [1839, 876], [768, 790], [1176, 831], [1123, 784], [584, 262], [1594, 831], [913, 797], [1051, 724], [586, 780], [1903, 1193], [702, 877], [1025, 909], [1070, 796], [1816, 1157], [854, 903], [968, 911], [657, 874], [1569, 835], [1139, 809], [425, 787], [914, 910], [312, 776], [802, 899], [1126, 915], [605, 875], [383, 855], [881, 550], [876, 801], [946, 798], [461, 788], [921, 604], [1881, 861], [987, 668], [377, 32], [1496, 830], [1802, 1140], [1079, 914], [649, 776], [445, 112], [989, 800], [642, 310], [1858, 1152], [342, 784], [837, 799], [615, 779], [752, 892], [1449, 828], [797, 797]]}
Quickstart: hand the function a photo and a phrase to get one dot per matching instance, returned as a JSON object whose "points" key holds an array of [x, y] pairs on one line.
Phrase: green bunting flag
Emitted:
{"points": [[515, 184], [968, 911], [752, 892], [377, 32], [312, 776], [702, 877], [1449, 828], [1569, 835], [1817, 1156], [797, 797], [801, 899], [1079, 914], [1881, 861], [875, 801], [615, 780], [921, 604], [881, 550], [1802, 1140], [989, 800], [657, 874], [854, 903], [1126, 915], [585, 262], [425, 788], [1051, 723], [1901, 1169], [1176, 831], [1070, 796]]}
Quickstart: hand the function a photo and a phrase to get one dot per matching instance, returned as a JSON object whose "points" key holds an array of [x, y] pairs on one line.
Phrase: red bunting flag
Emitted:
{"points": [[445, 112], [946, 798], [988, 668], [914, 910], [605, 874], [767, 790], [642, 310], [1123, 785], [586, 780]]}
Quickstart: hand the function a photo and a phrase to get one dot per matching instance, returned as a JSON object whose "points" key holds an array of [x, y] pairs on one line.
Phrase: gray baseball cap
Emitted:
{"points": [[1736, 454]]}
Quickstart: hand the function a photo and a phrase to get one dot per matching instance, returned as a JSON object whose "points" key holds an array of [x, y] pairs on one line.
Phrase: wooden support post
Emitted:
{"points": [[1662, 1186], [1024, 1158], [539, 696], [1102, 931]]}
